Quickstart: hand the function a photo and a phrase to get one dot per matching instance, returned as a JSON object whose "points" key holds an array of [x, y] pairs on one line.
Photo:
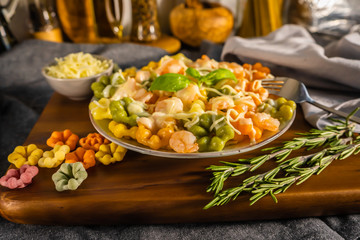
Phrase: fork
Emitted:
{"points": [[295, 90]]}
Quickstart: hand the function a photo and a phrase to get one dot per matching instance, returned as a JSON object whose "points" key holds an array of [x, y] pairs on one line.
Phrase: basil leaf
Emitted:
{"points": [[193, 73], [170, 82], [218, 75]]}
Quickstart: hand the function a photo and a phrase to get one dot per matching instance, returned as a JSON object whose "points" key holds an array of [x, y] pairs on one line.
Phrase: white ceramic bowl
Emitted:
{"points": [[77, 88]]}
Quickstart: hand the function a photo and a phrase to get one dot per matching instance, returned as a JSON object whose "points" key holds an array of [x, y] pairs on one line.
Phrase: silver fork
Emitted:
{"points": [[295, 90]]}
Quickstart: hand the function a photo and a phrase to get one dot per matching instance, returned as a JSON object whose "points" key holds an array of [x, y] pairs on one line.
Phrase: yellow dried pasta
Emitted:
{"points": [[120, 130], [29, 155], [55, 157], [110, 153]]}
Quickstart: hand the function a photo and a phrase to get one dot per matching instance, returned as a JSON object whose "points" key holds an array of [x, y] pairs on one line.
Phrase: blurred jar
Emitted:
{"points": [[77, 20], [90, 21], [93, 21], [145, 26], [43, 20], [7, 39], [261, 17]]}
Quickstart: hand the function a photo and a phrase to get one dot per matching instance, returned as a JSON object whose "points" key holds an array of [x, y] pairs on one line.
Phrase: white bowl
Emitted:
{"points": [[77, 88]]}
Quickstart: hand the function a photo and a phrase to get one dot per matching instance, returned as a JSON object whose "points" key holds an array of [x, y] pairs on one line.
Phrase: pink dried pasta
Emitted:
{"points": [[19, 178]]}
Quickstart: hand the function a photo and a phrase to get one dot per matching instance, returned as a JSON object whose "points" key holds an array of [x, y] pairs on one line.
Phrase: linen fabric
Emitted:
{"points": [[292, 52]]}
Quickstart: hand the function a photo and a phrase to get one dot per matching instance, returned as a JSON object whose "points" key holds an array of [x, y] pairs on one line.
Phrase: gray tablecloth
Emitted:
{"points": [[23, 95]]}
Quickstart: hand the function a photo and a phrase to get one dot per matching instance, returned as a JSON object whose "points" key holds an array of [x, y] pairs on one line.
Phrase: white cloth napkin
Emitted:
{"points": [[332, 73]]}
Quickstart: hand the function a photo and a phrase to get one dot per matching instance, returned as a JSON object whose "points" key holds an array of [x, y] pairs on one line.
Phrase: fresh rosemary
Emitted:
{"points": [[338, 140], [313, 139]]}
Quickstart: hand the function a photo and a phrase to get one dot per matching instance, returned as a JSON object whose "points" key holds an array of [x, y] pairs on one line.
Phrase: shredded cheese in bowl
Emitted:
{"points": [[77, 65]]}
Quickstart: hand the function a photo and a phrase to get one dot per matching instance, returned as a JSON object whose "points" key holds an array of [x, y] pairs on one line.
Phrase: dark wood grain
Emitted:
{"points": [[148, 189]]}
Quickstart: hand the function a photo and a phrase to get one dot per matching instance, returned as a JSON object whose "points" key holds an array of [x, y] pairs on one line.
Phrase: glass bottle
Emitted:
{"points": [[145, 25], [7, 39], [43, 20], [114, 10], [77, 20]]}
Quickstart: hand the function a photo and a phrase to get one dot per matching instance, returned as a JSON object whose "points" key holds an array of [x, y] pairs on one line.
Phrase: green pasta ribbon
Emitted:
{"points": [[69, 176]]}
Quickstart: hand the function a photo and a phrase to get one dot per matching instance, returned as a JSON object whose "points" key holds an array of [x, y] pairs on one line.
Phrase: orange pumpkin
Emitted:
{"points": [[193, 22]]}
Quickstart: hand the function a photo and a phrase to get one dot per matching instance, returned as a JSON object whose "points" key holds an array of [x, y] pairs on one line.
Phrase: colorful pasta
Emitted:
{"points": [[200, 105]]}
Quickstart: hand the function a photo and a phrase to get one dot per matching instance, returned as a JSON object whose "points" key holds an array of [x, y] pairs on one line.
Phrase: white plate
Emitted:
{"points": [[245, 146]]}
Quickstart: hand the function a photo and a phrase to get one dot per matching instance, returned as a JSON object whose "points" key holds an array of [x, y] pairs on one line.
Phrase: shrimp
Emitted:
{"points": [[265, 121], [246, 127], [247, 100], [183, 142], [169, 105], [264, 93], [189, 94], [236, 68], [132, 89], [205, 62], [222, 102], [142, 95], [148, 122], [127, 89], [162, 120], [171, 65], [142, 75]]}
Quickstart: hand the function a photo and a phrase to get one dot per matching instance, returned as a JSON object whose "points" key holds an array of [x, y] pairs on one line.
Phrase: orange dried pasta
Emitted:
{"points": [[85, 156], [63, 138], [93, 141]]}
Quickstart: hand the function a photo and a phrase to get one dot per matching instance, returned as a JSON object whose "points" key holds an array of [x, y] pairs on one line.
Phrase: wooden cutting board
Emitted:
{"points": [[148, 189]]}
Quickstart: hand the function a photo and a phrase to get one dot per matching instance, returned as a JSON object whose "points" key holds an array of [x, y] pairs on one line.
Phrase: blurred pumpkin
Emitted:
{"points": [[195, 21]]}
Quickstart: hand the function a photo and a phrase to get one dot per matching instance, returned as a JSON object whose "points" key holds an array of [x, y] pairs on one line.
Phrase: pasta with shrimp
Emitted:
{"points": [[191, 106]]}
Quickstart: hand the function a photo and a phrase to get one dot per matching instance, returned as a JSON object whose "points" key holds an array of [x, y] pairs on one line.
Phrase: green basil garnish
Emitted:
{"points": [[193, 73], [170, 82], [215, 76], [173, 82]]}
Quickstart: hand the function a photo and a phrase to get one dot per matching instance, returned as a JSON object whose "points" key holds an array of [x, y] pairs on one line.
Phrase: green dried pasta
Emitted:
{"points": [[69, 176]]}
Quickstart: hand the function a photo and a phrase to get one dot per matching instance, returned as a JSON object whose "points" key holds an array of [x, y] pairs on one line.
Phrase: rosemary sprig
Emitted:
{"points": [[312, 139], [297, 169]]}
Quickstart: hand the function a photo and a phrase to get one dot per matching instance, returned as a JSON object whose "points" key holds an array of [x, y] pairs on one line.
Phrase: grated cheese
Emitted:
{"points": [[216, 123], [77, 65], [192, 122]]}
